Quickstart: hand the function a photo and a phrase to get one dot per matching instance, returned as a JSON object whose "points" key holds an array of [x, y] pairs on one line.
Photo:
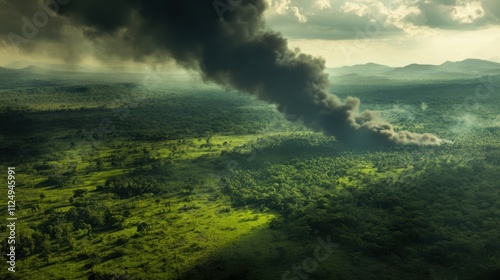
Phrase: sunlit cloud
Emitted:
{"points": [[467, 12], [358, 9], [322, 4], [297, 14], [284, 7]]}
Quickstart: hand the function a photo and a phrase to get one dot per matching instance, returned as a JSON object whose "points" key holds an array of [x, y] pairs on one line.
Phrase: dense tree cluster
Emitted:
{"points": [[127, 186], [432, 210]]}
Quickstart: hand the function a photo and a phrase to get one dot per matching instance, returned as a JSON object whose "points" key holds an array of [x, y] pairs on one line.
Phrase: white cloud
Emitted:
{"points": [[423, 20], [399, 14], [279, 6], [467, 12], [355, 8], [322, 4], [296, 12], [285, 7]]}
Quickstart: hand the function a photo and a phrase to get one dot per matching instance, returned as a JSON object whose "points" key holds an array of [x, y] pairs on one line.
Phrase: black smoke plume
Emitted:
{"points": [[228, 43]]}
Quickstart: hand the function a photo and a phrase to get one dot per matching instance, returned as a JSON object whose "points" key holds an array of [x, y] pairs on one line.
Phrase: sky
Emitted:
{"points": [[394, 33]]}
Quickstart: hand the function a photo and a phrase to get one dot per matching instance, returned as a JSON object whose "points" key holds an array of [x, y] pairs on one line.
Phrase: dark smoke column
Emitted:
{"points": [[240, 52]]}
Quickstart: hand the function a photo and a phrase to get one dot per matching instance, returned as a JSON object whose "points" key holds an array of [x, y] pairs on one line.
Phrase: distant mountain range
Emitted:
{"points": [[32, 72], [9, 71], [465, 68], [52, 67]]}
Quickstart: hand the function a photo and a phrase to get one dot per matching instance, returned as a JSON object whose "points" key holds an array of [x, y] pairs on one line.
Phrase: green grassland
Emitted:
{"points": [[185, 181]]}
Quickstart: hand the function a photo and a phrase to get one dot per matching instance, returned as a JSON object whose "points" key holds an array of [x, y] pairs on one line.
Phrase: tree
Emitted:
{"points": [[143, 228], [99, 163], [79, 193]]}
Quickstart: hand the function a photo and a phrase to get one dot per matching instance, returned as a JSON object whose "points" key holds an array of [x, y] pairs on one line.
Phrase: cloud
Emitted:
{"points": [[322, 4], [285, 7], [492, 10], [298, 15], [459, 14], [355, 8], [467, 12], [338, 19], [28, 21], [341, 19]]}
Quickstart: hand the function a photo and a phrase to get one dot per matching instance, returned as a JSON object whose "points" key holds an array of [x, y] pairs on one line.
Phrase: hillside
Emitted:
{"points": [[469, 68], [52, 67]]}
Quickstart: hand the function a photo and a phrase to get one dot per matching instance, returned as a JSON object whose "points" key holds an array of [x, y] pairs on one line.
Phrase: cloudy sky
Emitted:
{"points": [[395, 32], [344, 32]]}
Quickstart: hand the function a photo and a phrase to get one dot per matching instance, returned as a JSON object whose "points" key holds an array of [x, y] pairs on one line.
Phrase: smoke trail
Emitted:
{"points": [[239, 52]]}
